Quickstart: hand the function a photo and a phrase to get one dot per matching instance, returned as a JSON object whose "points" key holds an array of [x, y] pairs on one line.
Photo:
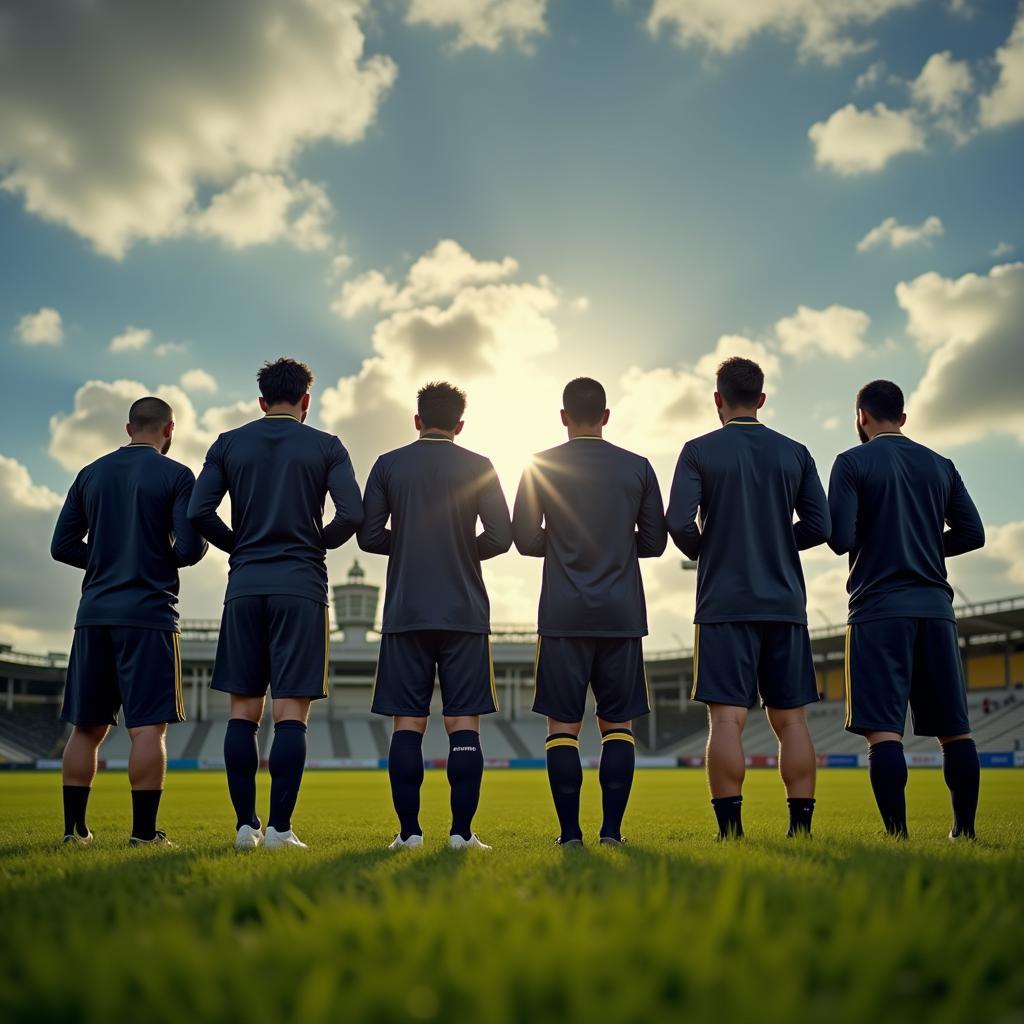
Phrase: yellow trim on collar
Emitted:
{"points": [[281, 416], [889, 433], [743, 423], [450, 440], [587, 437]]}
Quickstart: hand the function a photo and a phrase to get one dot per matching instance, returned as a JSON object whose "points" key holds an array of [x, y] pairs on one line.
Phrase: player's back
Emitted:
{"points": [[276, 471], [748, 481], [601, 509], [126, 501], [891, 500], [434, 491]]}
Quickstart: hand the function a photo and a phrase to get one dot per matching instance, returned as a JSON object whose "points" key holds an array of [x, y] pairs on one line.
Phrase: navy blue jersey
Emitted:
{"points": [[434, 491], [132, 506], [277, 472], [590, 510], [747, 480], [891, 500]]}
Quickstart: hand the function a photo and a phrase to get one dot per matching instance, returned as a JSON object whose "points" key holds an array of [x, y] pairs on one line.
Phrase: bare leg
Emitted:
{"points": [[147, 766], [79, 771], [725, 763], [798, 764]]}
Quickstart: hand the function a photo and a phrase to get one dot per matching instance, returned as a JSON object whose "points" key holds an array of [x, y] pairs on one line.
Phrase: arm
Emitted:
{"points": [[966, 531], [68, 544], [814, 523], [684, 500], [188, 546], [207, 495], [528, 517], [344, 492], [373, 535], [492, 508], [843, 498], [651, 531]]}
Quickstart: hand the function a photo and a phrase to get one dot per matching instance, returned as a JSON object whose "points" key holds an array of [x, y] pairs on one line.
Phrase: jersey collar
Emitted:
{"points": [[587, 437], [888, 433], [281, 416], [437, 437], [744, 421]]}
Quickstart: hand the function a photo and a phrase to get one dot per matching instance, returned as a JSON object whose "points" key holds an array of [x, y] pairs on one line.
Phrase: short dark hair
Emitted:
{"points": [[882, 400], [149, 413], [740, 381], [440, 404], [584, 401], [285, 380]]}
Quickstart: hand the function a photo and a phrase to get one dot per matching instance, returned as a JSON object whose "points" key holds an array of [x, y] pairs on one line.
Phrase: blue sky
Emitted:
{"points": [[648, 173]]}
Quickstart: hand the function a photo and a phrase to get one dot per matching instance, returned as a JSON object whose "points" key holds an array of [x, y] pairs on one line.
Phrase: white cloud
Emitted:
{"points": [[1005, 543], [822, 27], [830, 423], [1002, 249], [43, 327], [970, 326], [942, 84], [836, 331], [483, 23], [871, 76], [131, 339], [37, 598], [113, 115], [168, 348], [896, 235], [438, 274], [853, 141], [260, 208], [198, 380], [1005, 103], [95, 425]]}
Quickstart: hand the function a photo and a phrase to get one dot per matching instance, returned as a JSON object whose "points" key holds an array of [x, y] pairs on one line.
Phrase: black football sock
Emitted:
{"points": [[962, 772], [75, 800], [242, 761], [618, 760], [405, 769], [287, 762], [729, 812], [887, 768], [145, 803], [801, 810], [465, 773], [565, 774]]}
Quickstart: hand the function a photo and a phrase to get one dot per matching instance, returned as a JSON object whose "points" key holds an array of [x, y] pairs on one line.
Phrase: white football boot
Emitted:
{"points": [[74, 839], [414, 842], [274, 840], [248, 838], [473, 842]]}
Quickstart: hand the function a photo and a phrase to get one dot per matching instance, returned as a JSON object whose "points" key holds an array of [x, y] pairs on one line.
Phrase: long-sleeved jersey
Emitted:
{"points": [[434, 491], [891, 501], [590, 510], [124, 522], [277, 473], [746, 481]]}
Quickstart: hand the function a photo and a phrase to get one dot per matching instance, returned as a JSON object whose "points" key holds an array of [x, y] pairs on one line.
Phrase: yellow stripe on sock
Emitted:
{"points": [[562, 741], [618, 736]]}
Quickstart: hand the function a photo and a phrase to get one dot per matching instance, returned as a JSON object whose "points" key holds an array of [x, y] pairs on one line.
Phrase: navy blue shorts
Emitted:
{"points": [[737, 663], [129, 667], [891, 663], [276, 641], [613, 666], [409, 662]]}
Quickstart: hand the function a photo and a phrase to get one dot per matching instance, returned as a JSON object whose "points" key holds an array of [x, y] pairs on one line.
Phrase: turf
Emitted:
{"points": [[846, 927]]}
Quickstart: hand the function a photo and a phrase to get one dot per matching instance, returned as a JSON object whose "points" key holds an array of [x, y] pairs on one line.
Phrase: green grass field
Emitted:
{"points": [[848, 927]]}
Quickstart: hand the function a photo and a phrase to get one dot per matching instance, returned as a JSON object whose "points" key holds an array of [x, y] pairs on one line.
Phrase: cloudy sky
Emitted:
{"points": [[508, 193]]}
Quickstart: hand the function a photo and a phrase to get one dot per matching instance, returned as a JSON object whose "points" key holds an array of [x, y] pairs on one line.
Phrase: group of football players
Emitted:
{"points": [[745, 501]]}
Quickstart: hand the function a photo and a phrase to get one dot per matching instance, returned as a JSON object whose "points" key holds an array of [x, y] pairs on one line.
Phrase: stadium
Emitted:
{"points": [[343, 734]]}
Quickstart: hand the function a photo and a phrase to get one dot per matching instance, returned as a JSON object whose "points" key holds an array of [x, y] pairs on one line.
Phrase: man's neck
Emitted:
{"points": [[738, 414], [879, 429], [581, 431], [283, 409]]}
